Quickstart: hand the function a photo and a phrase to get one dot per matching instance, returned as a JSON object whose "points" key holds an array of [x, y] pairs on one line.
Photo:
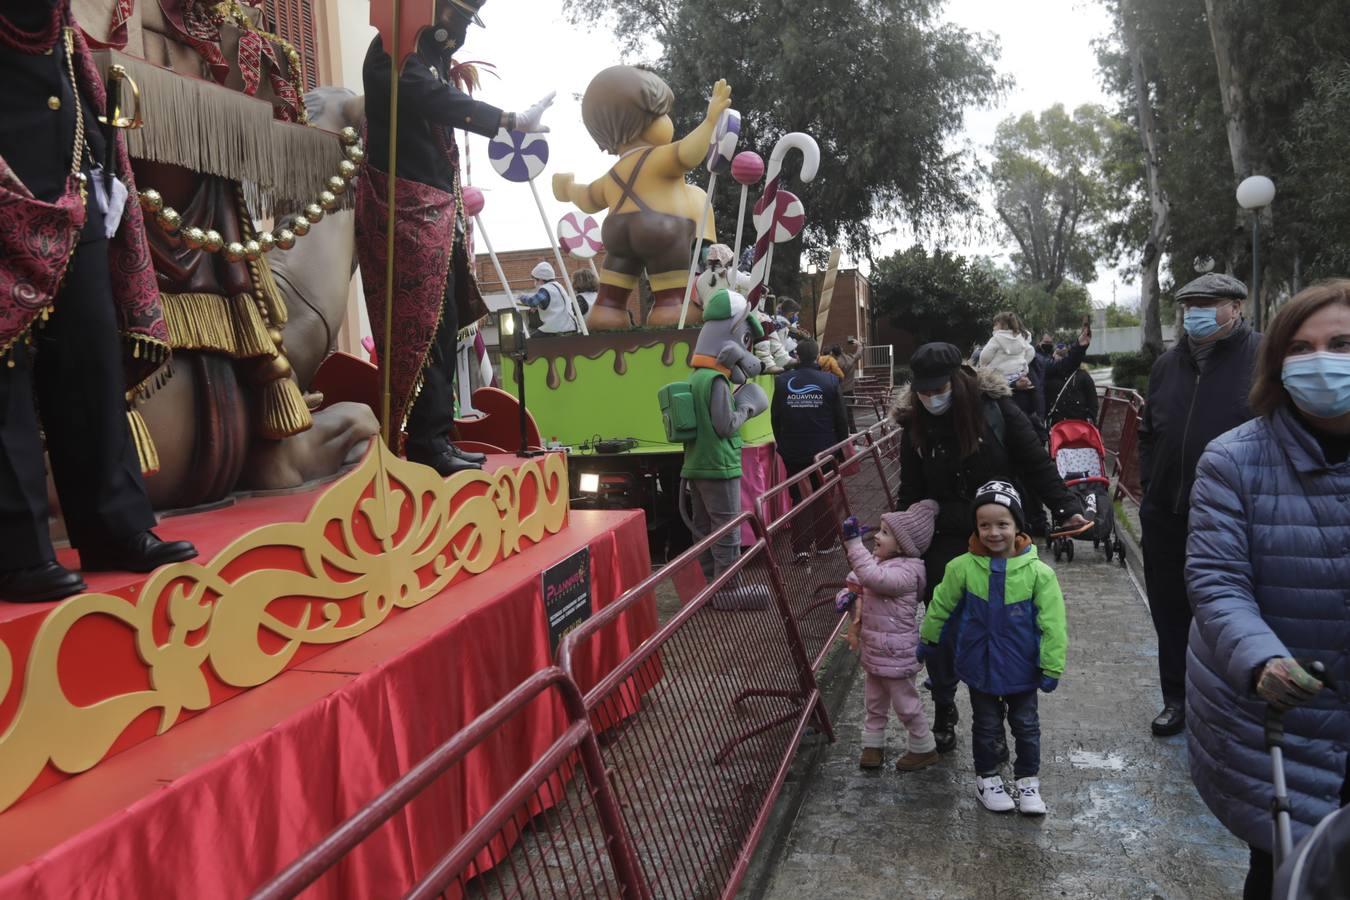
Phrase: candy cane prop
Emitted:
{"points": [[473, 205], [747, 168], [721, 151], [796, 140], [517, 156]]}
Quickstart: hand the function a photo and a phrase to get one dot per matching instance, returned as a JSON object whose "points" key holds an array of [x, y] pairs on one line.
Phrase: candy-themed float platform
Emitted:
{"points": [[312, 620]]}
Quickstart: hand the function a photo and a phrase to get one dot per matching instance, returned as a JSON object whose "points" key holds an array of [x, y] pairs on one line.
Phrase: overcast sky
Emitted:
{"points": [[1046, 48]]}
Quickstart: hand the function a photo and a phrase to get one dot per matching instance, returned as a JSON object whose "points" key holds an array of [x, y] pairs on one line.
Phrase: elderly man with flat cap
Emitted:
{"points": [[1196, 392]]}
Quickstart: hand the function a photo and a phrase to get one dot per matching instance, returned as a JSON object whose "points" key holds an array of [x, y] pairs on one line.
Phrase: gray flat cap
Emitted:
{"points": [[1214, 284]]}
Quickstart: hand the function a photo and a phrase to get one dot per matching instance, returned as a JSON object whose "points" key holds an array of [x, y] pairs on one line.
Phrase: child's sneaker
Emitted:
{"points": [[913, 762], [1029, 802], [992, 795], [871, 758]]}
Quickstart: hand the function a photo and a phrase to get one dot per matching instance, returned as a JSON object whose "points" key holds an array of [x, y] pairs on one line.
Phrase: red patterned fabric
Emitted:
{"points": [[37, 240], [424, 229], [117, 28]]}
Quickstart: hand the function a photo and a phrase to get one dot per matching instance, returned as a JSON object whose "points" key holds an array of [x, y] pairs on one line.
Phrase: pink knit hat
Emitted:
{"points": [[913, 528]]}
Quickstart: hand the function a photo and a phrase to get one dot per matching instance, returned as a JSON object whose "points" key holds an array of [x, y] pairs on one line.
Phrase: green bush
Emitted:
{"points": [[1130, 370]]}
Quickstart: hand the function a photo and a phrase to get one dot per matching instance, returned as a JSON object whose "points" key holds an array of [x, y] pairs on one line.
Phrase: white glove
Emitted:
{"points": [[531, 120]]}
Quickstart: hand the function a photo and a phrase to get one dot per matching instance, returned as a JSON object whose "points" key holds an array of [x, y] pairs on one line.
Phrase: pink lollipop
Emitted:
{"points": [[579, 235], [473, 201], [747, 168]]}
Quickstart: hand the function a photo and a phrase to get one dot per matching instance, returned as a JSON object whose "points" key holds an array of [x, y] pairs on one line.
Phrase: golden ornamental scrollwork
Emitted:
{"points": [[390, 535]]}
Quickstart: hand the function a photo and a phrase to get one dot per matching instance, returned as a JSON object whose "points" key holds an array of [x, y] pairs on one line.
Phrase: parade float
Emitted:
{"points": [[593, 392], [195, 727]]}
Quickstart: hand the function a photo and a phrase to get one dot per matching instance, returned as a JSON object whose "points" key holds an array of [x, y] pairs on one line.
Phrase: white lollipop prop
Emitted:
{"points": [[721, 151], [517, 156], [580, 237]]}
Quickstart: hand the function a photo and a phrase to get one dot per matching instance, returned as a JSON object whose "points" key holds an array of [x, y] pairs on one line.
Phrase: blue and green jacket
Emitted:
{"points": [[1006, 617]]}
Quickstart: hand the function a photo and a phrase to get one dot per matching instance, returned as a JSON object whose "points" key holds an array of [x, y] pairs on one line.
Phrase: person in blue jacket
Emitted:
{"points": [[1268, 569]]}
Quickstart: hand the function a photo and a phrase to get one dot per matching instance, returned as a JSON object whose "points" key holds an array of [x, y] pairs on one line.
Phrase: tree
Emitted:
{"points": [[882, 87], [1121, 317], [1041, 310], [1320, 170], [938, 297], [1049, 192]]}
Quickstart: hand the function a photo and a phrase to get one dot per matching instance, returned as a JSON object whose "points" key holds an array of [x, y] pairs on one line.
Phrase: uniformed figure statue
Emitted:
{"points": [[74, 274], [434, 291]]}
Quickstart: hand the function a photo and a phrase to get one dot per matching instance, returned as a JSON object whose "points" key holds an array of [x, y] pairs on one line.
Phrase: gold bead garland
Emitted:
{"points": [[171, 221]]}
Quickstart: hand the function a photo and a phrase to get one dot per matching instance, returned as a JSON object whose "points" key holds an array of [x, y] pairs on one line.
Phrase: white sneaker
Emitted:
{"points": [[1029, 802], [992, 795]]}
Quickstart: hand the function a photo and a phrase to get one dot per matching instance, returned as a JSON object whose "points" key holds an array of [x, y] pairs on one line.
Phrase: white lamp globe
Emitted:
{"points": [[1256, 192]]}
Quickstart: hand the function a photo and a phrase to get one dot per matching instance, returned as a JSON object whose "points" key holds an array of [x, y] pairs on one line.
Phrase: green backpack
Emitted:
{"points": [[677, 412]]}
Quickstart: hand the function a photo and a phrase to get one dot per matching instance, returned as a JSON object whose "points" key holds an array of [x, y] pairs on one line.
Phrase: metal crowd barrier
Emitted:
{"points": [[557, 832], [805, 545], [867, 491], [1118, 421], [701, 722]]}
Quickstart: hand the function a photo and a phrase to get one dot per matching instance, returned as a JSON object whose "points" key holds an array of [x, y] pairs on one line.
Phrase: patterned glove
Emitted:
{"points": [[851, 529], [1284, 684], [844, 601], [1048, 684]]}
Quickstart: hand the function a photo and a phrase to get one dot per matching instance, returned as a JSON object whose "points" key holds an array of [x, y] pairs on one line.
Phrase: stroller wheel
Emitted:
{"points": [[1120, 552], [1058, 554], [1069, 549]]}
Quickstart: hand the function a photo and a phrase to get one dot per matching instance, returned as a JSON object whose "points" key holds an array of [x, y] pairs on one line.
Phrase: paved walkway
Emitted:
{"points": [[1124, 819]]}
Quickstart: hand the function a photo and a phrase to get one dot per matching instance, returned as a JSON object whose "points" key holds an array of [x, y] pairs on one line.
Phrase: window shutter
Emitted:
{"points": [[294, 21]]}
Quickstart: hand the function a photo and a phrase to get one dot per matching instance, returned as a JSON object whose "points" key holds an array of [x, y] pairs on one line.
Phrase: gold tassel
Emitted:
{"points": [[229, 325], [284, 412], [270, 293], [145, 444]]}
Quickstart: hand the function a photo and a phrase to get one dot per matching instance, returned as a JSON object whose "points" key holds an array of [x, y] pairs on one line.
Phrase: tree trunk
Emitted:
{"points": [[1159, 206]]}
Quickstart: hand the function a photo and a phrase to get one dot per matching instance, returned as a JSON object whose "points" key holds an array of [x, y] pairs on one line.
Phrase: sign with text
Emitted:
{"points": [[567, 595]]}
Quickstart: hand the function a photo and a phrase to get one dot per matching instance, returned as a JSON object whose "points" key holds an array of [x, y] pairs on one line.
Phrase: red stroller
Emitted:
{"points": [[1076, 447]]}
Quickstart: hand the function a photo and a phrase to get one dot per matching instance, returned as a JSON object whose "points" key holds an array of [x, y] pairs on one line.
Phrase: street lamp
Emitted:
{"points": [[1256, 193], [511, 343]]}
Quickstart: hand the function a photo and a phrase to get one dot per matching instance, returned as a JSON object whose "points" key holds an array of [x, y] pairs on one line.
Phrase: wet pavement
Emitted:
{"points": [[1124, 819]]}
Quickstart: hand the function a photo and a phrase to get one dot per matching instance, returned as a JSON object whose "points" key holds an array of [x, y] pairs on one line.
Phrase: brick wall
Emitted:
{"points": [[517, 265]]}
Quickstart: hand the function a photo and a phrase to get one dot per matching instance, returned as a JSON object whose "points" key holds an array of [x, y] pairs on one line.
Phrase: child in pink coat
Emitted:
{"points": [[884, 590]]}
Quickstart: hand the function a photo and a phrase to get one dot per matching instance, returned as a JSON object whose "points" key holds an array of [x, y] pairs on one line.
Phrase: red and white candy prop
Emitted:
{"points": [[474, 201], [721, 151], [517, 156], [785, 221], [764, 238], [747, 168]]}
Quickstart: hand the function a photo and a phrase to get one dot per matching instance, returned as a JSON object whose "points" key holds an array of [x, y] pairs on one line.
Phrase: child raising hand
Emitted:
{"points": [[884, 589]]}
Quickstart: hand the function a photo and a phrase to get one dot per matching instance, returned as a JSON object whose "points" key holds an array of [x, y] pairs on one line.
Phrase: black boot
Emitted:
{"points": [[142, 552], [944, 727], [476, 458], [39, 584], [439, 454], [1171, 720]]}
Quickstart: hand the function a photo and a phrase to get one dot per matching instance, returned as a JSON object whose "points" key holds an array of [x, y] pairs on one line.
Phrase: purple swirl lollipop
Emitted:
{"points": [[722, 147]]}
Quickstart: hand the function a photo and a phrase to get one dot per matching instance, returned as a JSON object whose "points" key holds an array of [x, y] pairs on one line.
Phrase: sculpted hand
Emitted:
{"points": [[562, 186], [1284, 684], [752, 397], [532, 119], [720, 101]]}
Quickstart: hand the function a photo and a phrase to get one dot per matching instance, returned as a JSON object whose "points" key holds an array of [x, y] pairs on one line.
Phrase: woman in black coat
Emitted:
{"points": [[1074, 398], [961, 430]]}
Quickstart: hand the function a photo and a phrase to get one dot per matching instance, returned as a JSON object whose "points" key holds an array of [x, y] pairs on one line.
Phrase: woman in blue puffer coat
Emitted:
{"points": [[1268, 572]]}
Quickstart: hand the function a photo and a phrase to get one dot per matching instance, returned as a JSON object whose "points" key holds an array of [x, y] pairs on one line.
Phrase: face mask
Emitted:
{"points": [[1319, 383], [1201, 321], [938, 403], [1047, 349]]}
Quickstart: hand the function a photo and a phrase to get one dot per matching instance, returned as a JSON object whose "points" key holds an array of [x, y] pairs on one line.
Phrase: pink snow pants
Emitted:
{"points": [[901, 694]]}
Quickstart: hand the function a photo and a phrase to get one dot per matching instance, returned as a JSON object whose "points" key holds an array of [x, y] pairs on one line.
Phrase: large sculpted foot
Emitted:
{"points": [[608, 318]]}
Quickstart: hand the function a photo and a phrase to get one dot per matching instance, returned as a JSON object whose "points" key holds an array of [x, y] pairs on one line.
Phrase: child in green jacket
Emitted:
{"points": [[1007, 613]]}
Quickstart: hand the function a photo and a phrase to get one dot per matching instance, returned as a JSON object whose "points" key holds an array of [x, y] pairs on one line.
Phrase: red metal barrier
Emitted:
{"points": [[867, 493], [804, 543], [885, 439], [557, 833], [1118, 421], [704, 718]]}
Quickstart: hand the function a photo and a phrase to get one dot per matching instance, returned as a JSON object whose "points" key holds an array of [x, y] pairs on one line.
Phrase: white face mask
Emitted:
{"points": [[938, 403]]}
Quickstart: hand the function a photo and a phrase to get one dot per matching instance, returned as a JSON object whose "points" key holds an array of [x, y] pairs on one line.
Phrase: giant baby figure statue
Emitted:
{"points": [[653, 213]]}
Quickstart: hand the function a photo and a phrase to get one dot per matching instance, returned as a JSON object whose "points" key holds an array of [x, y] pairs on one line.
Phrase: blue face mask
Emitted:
{"points": [[1319, 383], [938, 403], [1201, 321]]}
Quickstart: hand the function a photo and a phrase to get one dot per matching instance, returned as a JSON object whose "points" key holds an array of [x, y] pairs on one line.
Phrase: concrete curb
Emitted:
{"points": [[835, 679]]}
